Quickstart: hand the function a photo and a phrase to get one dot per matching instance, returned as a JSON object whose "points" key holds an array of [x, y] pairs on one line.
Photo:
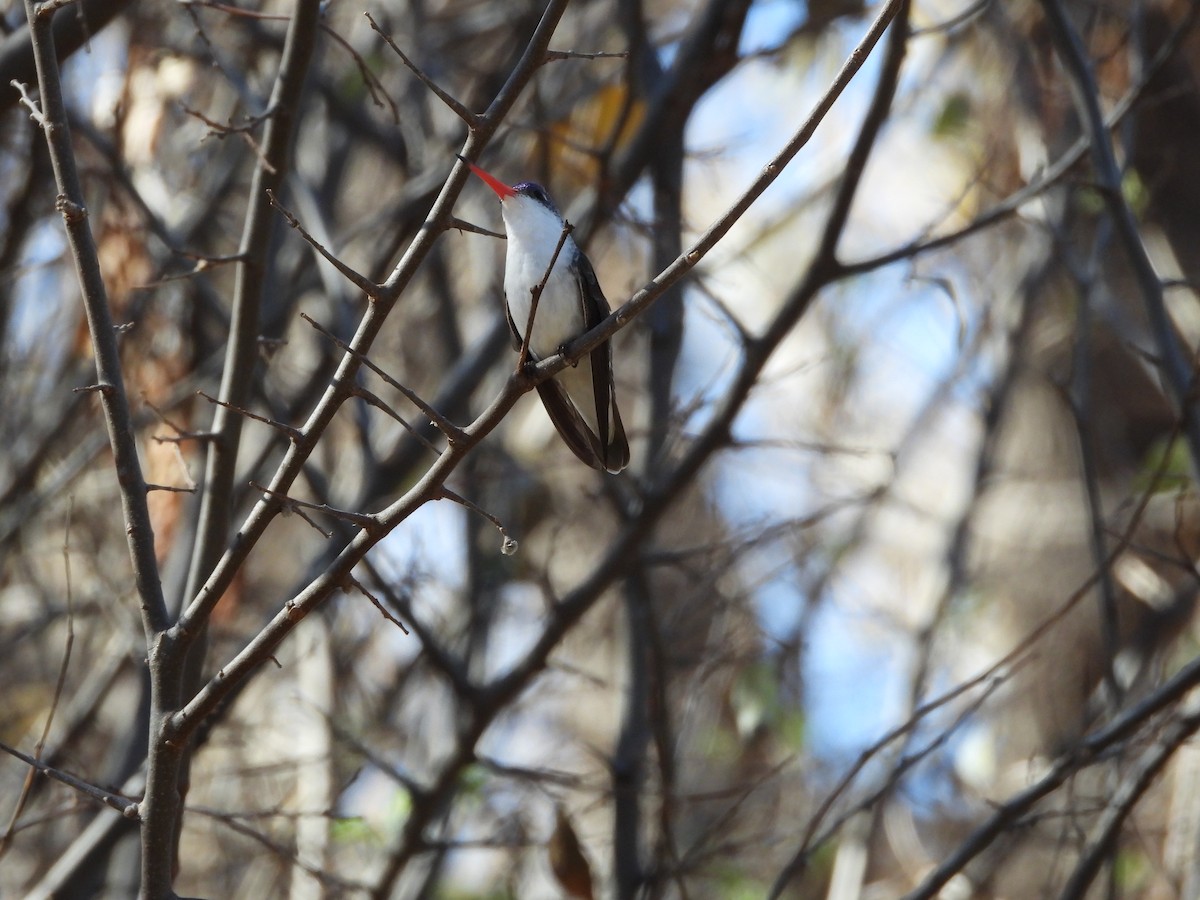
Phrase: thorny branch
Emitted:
{"points": [[118, 417], [658, 497], [482, 692], [126, 807]]}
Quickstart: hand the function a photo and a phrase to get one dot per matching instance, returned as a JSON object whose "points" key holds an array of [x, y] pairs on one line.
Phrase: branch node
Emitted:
{"points": [[71, 211], [29, 103], [105, 389], [50, 7]]}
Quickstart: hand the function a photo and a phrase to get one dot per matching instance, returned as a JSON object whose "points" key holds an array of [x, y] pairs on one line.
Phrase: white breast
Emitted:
{"points": [[533, 233]]}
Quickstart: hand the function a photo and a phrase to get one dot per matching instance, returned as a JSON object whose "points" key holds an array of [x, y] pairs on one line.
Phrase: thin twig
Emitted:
{"points": [[382, 763], [362, 520], [377, 603], [556, 55], [536, 295], [1138, 779], [442, 660], [222, 130], [293, 434], [202, 264], [461, 225], [374, 86], [1087, 751], [373, 400], [126, 807], [364, 284], [509, 546], [1173, 360], [451, 431], [29, 103], [237, 11], [40, 746], [323, 876], [453, 105]]}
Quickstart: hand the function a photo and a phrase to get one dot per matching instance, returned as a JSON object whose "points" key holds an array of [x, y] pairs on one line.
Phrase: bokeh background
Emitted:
{"points": [[933, 584]]}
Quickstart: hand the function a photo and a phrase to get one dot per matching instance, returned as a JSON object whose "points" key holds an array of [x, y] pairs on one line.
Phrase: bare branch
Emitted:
{"points": [[688, 260], [29, 103], [126, 807], [377, 603], [362, 520], [557, 55], [461, 225], [1176, 367], [58, 685], [206, 596], [324, 877], [1083, 754], [364, 284], [451, 431], [375, 401], [1137, 779], [293, 434], [536, 294], [453, 105], [441, 659], [509, 546], [111, 386], [655, 502], [373, 84]]}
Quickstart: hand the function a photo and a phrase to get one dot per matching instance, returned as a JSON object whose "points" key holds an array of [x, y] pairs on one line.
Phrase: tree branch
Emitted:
{"points": [[126, 807], [1177, 369], [117, 416], [262, 645]]}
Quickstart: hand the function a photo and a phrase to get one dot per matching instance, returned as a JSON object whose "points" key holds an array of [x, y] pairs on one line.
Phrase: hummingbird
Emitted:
{"points": [[581, 401]]}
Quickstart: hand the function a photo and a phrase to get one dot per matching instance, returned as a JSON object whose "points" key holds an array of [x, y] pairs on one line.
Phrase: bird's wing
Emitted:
{"points": [[516, 335], [613, 445], [570, 425], [594, 308]]}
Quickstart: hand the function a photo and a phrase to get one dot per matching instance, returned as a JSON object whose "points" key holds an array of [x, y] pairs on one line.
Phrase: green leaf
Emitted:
{"points": [[952, 119], [1166, 467]]}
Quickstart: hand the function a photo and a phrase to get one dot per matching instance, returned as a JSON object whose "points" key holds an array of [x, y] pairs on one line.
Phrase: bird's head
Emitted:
{"points": [[527, 208]]}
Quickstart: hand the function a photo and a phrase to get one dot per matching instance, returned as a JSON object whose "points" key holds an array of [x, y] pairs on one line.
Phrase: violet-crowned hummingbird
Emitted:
{"points": [[581, 401]]}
